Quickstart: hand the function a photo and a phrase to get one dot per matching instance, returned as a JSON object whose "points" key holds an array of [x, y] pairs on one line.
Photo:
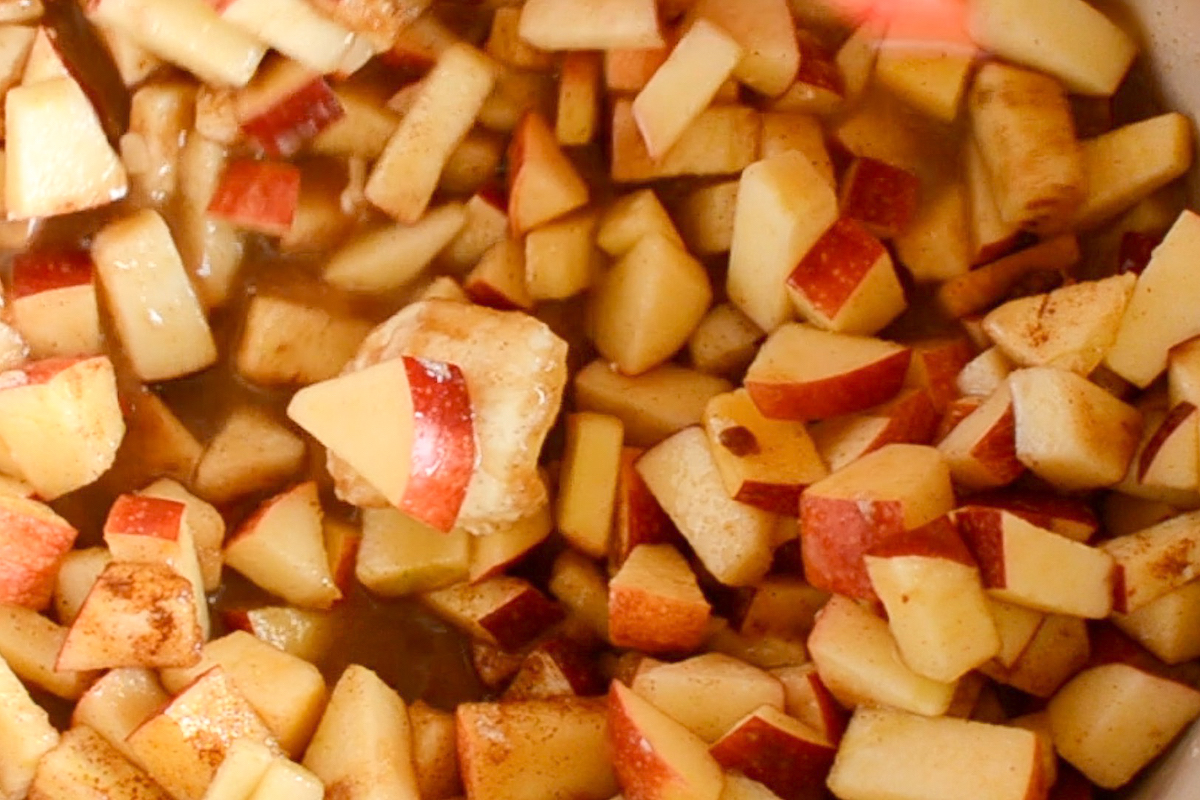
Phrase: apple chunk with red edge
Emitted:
{"points": [[54, 307], [655, 604], [33, 542], [847, 281], [908, 418], [284, 106], [929, 584], [505, 611], [803, 373], [406, 425], [1024, 564], [778, 751], [981, 449], [881, 196], [655, 757], [1170, 457], [61, 422], [259, 196], [1155, 560], [543, 184], [894, 489]]}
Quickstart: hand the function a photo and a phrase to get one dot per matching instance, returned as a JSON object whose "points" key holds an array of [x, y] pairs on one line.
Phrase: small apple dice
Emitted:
{"points": [[258, 196], [33, 544], [54, 307], [289, 342], [879, 195], [778, 751], [399, 555], [1154, 560], [25, 734], [61, 422], [505, 611], [655, 604], [84, 764], [543, 184], [250, 452], [285, 106], [588, 481]]}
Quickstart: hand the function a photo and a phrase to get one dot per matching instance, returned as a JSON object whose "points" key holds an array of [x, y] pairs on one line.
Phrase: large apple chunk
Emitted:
{"points": [[894, 489], [779, 751], [887, 753], [803, 373], [515, 371], [405, 425], [655, 604], [655, 757], [1155, 560], [33, 543]]}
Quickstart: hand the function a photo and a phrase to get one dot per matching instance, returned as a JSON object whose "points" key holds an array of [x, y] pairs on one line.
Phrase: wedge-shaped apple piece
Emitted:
{"points": [[387, 258], [1155, 560], [435, 751], [285, 106], [182, 745], [54, 306], [894, 489], [259, 196], [648, 304], [1071, 40], [1058, 649], [1167, 458], [732, 540], [429, 416], [136, 615], [808, 700], [983, 287], [1167, 625], [778, 751], [400, 555], [1152, 325], [632, 217], [250, 452], [301, 632], [159, 320], [930, 586], [889, 753], [25, 734], [486, 225], [527, 749], [709, 693], [1067, 516], [558, 667], [803, 373], [506, 546], [286, 692], [58, 158], [1018, 559], [706, 215], [542, 182], [281, 548], [655, 604], [723, 140], [628, 70], [84, 764], [881, 196], [763, 462], [685, 84], [514, 398], [1022, 122], [908, 418], [498, 279], [30, 643], [652, 405], [981, 450], [1112, 720], [588, 481], [597, 25], [724, 341], [404, 177], [847, 282], [858, 662], [655, 757], [156, 530], [505, 611], [1070, 431], [991, 235], [61, 422], [1070, 328], [783, 208], [561, 258], [120, 701], [189, 34], [930, 76], [638, 517], [33, 543], [285, 341]]}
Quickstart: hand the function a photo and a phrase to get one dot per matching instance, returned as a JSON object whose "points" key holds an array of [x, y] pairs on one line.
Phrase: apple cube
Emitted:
{"points": [[1112, 720], [1058, 649], [1070, 431], [803, 373], [560, 257], [879, 195], [284, 341], [1155, 560], [513, 398], [587, 483], [386, 258], [655, 604], [1166, 626], [77, 572], [280, 547], [820, 87], [285, 106], [505, 611], [778, 751], [435, 751], [30, 643], [250, 452], [783, 208], [211, 250], [58, 157], [1168, 457], [485, 226], [888, 753], [936, 245], [632, 217], [578, 107], [1067, 516], [160, 322], [136, 615], [894, 489], [981, 449], [578, 584], [990, 233], [400, 555], [706, 215], [638, 518], [765, 30], [724, 341], [846, 282], [654, 756], [543, 184], [53, 302], [301, 632], [908, 418], [61, 422], [258, 196], [34, 541], [498, 279], [557, 667], [502, 548], [598, 25], [723, 140], [931, 77], [763, 462], [26, 734], [404, 177], [808, 700], [858, 661], [732, 540], [930, 587], [83, 764], [116, 704]]}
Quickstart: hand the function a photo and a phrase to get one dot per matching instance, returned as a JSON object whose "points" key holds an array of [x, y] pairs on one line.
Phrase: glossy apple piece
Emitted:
{"points": [[508, 545], [588, 480], [285, 106], [84, 762], [400, 555], [557, 25], [655, 604], [33, 542], [259, 196], [498, 279], [908, 418], [429, 422], [77, 572], [30, 642], [723, 140], [778, 751], [542, 182], [582, 589], [505, 611], [250, 452], [1067, 516], [25, 733], [116, 704], [53, 302], [981, 449], [291, 27]]}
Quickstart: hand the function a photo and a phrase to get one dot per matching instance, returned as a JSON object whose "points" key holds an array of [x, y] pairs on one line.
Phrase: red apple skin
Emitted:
{"points": [[937, 539], [835, 266], [817, 67], [637, 516], [641, 772], [793, 768], [283, 128], [44, 271], [520, 620], [982, 530], [836, 533], [42, 371], [912, 419], [443, 451], [883, 197], [259, 195], [1174, 418], [940, 361], [1063, 515], [138, 515], [959, 409], [30, 552], [841, 394]]}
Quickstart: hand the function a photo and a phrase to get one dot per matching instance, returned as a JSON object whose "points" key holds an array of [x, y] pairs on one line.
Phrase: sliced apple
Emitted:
{"points": [[598, 25], [771, 58], [505, 611], [1155, 560], [778, 751], [588, 481], [25, 734], [54, 306], [543, 184], [981, 450], [655, 604]]}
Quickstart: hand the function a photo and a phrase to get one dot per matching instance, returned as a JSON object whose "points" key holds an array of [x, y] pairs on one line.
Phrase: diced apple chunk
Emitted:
{"points": [[84, 763], [655, 604], [34, 541], [592, 25], [25, 734]]}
